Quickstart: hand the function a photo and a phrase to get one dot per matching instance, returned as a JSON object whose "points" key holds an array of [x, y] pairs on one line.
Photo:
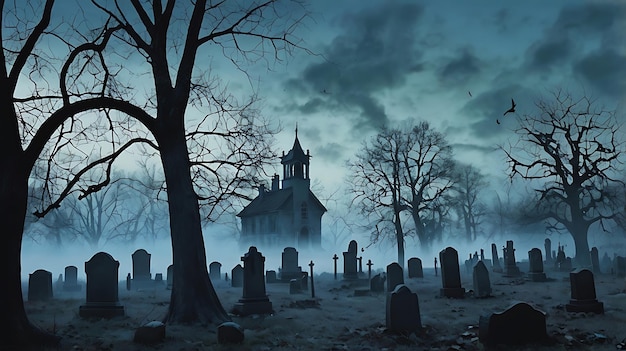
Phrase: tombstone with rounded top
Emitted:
{"points": [[71, 279], [102, 288], [519, 324], [414, 265], [350, 261], [215, 271], [583, 292], [403, 311], [535, 261], [450, 274], [395, 276], [40, 285]]}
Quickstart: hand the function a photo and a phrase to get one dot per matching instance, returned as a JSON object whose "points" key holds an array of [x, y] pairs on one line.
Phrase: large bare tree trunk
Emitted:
{"points": [[193, 298], [399, 239], [583, 256]]}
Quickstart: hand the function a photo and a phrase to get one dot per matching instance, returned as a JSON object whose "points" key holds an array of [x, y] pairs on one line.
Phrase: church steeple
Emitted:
{"points": [[295, 163]]}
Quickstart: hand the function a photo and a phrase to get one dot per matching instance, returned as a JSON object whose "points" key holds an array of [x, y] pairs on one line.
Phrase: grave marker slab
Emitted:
{"points": [[583, 291], [237, 276], [414, 265], [504, 328], [289, 265], [377, 283], [497, 268], [215, 271], [102, 288], [403, 311], [170, 276], [270, 277], [450, 274], [395, 276], [254, 300], [535, 262], [350, 262], [71, 279], [482, 283], [40, 285]]}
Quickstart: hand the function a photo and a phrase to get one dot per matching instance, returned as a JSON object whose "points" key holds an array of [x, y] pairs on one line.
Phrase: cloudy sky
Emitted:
{"points": [[383, 62]]}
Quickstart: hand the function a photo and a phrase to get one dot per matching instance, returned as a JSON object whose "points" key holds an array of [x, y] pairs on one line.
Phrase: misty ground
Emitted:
{"points": [[343, 321]]}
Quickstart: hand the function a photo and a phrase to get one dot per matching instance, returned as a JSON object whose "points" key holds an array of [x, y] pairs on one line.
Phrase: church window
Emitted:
{"points": [[303, 211]]}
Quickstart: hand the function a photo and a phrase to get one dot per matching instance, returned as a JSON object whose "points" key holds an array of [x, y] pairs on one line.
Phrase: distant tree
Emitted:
{"points": [[469, 184], [570, 151]]}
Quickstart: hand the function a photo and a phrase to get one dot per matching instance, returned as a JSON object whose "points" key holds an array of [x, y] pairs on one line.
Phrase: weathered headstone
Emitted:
{"points": [[40, 285], [215, 271], [482, 283], [349, 261], [403, 311], [229, 333], [237, 276], [141, 269], [517, 325], [377, 283], [450, 274], [150, 333], [497, 268], [304, 281], [295, 286], [595, 261], [71, 279], [289, 268], [510, 266], [170, 276], [102, 288], [547, 245], [254, 300], [158, 278], [583, 291], [414, 265], [270, 277], [395, 276], [535, 272]]}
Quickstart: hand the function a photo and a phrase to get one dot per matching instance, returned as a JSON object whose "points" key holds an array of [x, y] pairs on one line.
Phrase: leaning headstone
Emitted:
{"points": [[254, 300], [289, 268], [377, 283], [40, 285], [583, 291], [414, 265], [482, 283], [450, 274], [270, 277], [150, 333], [395, 276], [229, 333], [403, 311], [535, 272], [71, 279], [141, 269], [349, 262], [237, 276], [215, 271], [170, 276], [595, 261], [517, 325], [497, 268], [102, 288], [510, 266]]}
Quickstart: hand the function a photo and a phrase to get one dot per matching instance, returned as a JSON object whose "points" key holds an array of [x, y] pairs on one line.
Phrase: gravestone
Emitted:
{"points": [[40, 285], [583, 291], [395, 276], [377, 283], [349, 262], [510, 266], [141, 269], [482, 283], [270, 277], [170, 276], [304, 281], [450, 274], [547, 244], [295, 286], [517, 325], [215, 271], [497, 268], [403, 311], [102, 288], [237, 276], [158, 278], [619, 266], [289, 268], [71, 279], [414, 265], [535, 272], [595, 261], [254, 300]]}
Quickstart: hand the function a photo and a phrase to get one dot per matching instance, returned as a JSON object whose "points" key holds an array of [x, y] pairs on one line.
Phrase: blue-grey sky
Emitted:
{"points": [[383, 62]]}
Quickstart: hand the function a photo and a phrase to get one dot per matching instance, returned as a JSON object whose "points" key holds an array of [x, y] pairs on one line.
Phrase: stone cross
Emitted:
{"points": [[435, 266], [369, 269], [312, 283], [335, 258]]}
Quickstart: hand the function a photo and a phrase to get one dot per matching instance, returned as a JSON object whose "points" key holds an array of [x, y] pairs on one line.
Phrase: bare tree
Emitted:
{"points": [[469, 183], [570, 151]]}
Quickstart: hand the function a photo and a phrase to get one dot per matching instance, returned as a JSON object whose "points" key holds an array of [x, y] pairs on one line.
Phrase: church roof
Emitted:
{"points": [[296, 153], [273, 201]]}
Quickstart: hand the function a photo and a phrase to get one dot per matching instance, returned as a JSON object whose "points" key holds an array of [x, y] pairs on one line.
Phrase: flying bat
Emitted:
{"points": [[497, 121], [512, 109], [470, 93]]}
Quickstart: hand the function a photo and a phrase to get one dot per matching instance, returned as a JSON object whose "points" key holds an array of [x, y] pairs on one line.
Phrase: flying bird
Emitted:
{"points": [[512, 109], [469, 93], [498, 121], [325, 92]]}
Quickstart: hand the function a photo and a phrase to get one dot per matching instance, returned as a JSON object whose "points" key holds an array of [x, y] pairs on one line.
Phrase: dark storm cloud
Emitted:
{"points": [[550, 52], [460, 69], [331, 152], [604, 70], [375, 51]]}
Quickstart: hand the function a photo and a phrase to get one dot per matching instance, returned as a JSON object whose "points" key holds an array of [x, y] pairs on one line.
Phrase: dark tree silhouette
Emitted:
{"points": [[570, 151], [469, 183]]}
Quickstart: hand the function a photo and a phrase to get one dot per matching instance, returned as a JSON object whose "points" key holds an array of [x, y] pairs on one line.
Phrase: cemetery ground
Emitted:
{"points": [[339, 320]]}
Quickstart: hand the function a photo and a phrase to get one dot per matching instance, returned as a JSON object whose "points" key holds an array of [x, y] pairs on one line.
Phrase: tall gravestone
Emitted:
{"points": [[102, 288], [482, 283], [619, 266], [215, 271], [71, 279], [510, 266], [403, 311], [497, 268], [583, 291], [595, 261], [349, 262], [535, 272], [289, 267], [254, 300], [141, 269], [547, 244], [414, 265], [395, 276], [450, 274], [377, 283], [170, 277], [40, 285], [237, 276]]}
